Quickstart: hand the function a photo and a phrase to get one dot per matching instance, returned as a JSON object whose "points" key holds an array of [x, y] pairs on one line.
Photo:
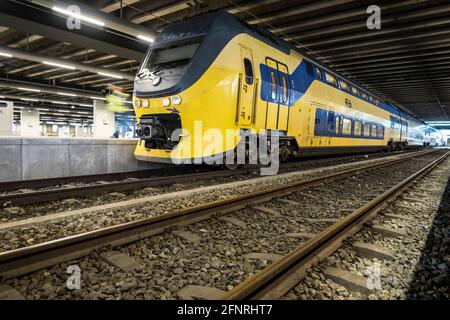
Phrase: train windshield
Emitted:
{"points": [[163, 67]]}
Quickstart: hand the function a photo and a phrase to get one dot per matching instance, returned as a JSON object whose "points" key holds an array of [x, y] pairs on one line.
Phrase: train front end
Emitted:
{"points": [[185, 92]]}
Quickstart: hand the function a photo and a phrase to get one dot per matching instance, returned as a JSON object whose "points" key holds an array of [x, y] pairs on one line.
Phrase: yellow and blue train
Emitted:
{"points": [[218, 71]]}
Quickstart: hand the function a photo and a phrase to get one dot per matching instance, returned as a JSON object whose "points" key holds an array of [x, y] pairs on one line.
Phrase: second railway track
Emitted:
{"points": [[46, 190]]}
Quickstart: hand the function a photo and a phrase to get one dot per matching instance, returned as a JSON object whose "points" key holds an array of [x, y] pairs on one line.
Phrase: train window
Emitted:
{"points": [[357, 128], [330, 123], [319, 73], [330, 79], [355, 91], [347, 127], [284, 84], [380, 132], [273, 79], [309, 67], [248, 71], [338, 124], [366, 129], [373, 131], [344, 85]]}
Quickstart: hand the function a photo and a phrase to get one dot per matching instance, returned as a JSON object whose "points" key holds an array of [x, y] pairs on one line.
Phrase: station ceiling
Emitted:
{"points": [[406, 61]]}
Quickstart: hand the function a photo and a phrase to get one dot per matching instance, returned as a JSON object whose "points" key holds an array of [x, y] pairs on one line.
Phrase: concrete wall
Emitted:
{"points": [[36, 158], [6, 118]]}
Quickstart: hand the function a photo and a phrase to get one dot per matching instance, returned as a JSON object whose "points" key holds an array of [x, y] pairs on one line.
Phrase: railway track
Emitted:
{"points": [[281, 276], [109, 182], [22, 261]]}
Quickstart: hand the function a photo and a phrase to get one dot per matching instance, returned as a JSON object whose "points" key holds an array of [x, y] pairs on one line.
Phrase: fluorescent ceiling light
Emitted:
{"points": [[96, 98], [58, 65], [79, 16], [109, 75], [58, 102], [7, 55], [84, 105], [66, 94], [27, 89], [26, 99], [145, 38]]}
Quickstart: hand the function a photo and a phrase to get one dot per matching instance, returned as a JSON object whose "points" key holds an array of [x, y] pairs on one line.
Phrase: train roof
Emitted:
{"points": [[223, 26]]}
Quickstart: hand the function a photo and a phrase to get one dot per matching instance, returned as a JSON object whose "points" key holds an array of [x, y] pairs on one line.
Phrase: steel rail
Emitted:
{"points": [[51, 182], [28, 259], [40, 196], [279, 277]]}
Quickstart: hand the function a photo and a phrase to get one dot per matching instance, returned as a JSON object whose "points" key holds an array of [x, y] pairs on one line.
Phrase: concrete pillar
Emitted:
{"points": [[104, 121], [6, 118], [29, 123], [79, 131]]}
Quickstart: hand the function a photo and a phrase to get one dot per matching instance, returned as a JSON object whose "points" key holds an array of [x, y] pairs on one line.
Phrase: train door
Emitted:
{"points": [[283, 103], [248, 90], [321, 123], [401, 129], [311, 117], [277, 108]]}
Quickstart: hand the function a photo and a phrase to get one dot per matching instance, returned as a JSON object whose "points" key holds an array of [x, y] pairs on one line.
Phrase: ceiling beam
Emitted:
{"points": [[63, 63], [109, 21], [297, 10], [66, 91], [24, 19]]}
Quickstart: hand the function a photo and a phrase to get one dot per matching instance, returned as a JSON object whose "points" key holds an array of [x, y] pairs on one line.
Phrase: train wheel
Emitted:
{"points": [[232, 166]]}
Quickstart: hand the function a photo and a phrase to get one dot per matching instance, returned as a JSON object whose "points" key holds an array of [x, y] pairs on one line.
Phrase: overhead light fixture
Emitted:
{"points": [[59, 102], [60, 65], [84, 105], [97, 98], [28, 89], [26, 99], [145, 38], [110, 75], [67, 94], [7, 55], [79, 16]]}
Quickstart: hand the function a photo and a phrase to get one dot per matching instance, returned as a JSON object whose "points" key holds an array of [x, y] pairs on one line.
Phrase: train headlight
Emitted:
{"points": [[166, 102], [137, 103], [145, 103], [176, 99]]}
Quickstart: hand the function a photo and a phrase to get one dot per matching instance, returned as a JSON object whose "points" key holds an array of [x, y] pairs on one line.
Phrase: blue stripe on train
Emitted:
{"points": [[299, 82]]}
